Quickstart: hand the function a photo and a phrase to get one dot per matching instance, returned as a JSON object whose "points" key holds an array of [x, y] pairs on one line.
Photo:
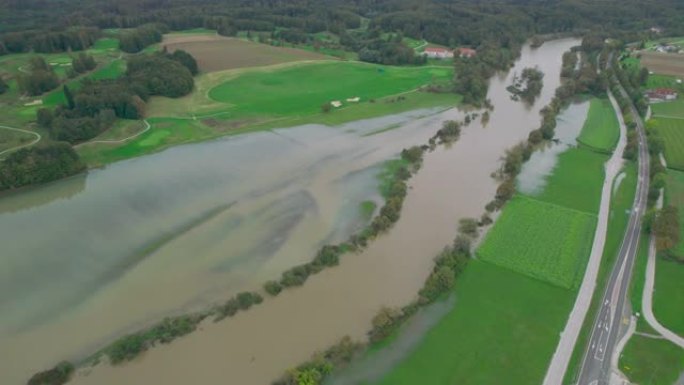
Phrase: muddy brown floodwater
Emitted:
{"points": [[256, 346]]}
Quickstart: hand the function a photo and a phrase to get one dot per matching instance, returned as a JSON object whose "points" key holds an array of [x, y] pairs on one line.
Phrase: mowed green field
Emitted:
{"points": [[673, 109], [576, 180], [672, 132], [502, 330], [674, 195], [668, 296], [544, 241], [649, 361], [301, 90], [164, 133], [600, 130]]}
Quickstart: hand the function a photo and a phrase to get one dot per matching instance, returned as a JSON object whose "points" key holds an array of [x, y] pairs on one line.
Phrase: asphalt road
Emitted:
{"points": [[596, 364]]}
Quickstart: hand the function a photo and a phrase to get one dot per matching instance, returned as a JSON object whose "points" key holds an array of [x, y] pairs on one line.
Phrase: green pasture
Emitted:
{"points": [[649, 361], [668, 296], [601, 130], [674, 195], [672, 132], [503, 329], [576, 180], [544, 241], [662, 81], [302, 90], [164, 133], [669, 109]]}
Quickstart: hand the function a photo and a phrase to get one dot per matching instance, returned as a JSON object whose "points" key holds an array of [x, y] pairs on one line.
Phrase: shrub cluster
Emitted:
{"points": [[242, 301], [58, 375], [40, 79], [315, 370], [81, 64], [130, 346]]}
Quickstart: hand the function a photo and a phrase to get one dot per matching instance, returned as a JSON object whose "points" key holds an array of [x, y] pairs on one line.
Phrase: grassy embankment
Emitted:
{"points": [[513, 301], [242, 100], [600, 130]]}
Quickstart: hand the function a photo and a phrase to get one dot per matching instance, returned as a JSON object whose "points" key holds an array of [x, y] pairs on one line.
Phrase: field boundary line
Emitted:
{"points": [[668, 117], [525, 196], [37, 135]]}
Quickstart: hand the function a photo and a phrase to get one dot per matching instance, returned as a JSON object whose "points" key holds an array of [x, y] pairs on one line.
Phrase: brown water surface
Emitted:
{"points": [[255, 347]]}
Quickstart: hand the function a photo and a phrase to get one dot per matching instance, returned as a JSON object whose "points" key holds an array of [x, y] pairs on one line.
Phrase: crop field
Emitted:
{"points": [[674, 109], [303, 89], [600, 130], [544, 241], [663, 63], [672, 132], [576, 180], [649, 361], [216, 53], [502, 330]]}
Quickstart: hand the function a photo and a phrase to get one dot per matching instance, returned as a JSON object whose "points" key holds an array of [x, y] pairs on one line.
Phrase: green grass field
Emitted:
{"points": [[674, 109], [674, 195], [576, 180], [668, 297], [301, 90], [600, 130], [164, 133], [545, 241], [672, 131], [662, 81], [112, 70], [649, 361], [502, 330]]}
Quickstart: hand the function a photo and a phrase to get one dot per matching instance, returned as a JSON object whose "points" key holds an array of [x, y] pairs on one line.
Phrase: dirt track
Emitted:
{"points": [[216, 53], [664, 63]]}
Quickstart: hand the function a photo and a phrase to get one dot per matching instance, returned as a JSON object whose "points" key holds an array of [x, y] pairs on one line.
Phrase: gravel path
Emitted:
{"points": [[568, 338], [37, 135], [147, 127]]}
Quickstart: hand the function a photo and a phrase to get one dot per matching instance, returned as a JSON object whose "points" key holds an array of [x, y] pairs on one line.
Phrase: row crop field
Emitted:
{"points": [[672, 132], [576, 180], [541, 240], [663, 63], [601, 129], [216, 53], [502, 330]]}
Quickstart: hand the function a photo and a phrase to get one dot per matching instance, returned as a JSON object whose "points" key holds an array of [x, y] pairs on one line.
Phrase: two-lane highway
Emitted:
{"points": [[596, 365]]}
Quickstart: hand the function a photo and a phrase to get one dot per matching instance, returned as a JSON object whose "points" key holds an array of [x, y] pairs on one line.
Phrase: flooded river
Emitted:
{"points": [[178, 230]]}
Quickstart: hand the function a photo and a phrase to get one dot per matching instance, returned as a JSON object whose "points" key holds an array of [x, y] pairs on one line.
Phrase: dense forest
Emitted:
{"points": [[39, 164], [48, 26]]}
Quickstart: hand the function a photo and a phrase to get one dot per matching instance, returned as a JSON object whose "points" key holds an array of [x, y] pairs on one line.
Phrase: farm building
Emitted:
{"points": [[660, 95], [466, 52], [438, 53]]}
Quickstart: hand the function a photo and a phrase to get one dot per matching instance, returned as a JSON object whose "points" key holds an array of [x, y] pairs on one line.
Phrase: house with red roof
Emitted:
{"points": [[466, 52], [438, 53], [660, 95]]}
